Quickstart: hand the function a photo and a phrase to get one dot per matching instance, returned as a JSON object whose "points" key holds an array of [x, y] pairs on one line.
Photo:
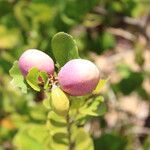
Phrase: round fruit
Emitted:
{"points": [[35, 58], [78, 77], [59, 101]]}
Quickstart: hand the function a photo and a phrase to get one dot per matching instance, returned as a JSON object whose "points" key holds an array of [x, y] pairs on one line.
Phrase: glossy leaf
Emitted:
{"points": [[18, 79], [32, 79], [64, 48]]}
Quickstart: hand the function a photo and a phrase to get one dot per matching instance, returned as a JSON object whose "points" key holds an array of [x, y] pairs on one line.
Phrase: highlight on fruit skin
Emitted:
{"points": [[59, 101], [78, 77], [35, 58]]}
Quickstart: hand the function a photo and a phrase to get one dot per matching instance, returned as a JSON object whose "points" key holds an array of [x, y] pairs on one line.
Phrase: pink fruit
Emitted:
{"points": [[78, 77], [34, 58]]}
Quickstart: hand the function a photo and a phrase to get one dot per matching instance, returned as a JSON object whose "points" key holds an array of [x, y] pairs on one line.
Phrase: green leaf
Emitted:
{"points": [[31, 137], [38, 112], [101, 109], [38, 132], [25, 142], [67, 20], [131, 83], [61, 138], [93, 107], [123, 70], [41, 16], [78, 9], [9, 37], [83, 141], [56, 123], [58, 131], [57, 144], [44, 76], [78, 101], [46, 101], [147, 144], [111, 142], [100, 85], [18, 79], [106, 41], [32, 79], [64, 48]]}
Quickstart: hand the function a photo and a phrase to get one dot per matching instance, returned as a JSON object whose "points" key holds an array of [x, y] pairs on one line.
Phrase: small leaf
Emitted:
{"points": [[83, 141], [55, 145], [78, 101], [93, 107], [44, 76], [64, 48], [32, 79], [18, 80], [61, 138], [46, 101], [56, 123], [102, 109], [100, 85], [38, 112], [31, 137]]}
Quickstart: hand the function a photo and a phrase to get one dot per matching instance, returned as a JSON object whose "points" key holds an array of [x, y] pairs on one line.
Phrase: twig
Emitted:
{"points": [[120, 32], [139, 130], [70, 146]]}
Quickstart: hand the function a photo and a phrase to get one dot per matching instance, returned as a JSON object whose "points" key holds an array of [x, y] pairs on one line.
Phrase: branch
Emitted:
{"points": [[70, 145], [122, 33]]}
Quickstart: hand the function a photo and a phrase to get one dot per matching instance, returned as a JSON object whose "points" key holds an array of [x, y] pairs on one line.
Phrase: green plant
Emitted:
{"points": [[66, 114]]}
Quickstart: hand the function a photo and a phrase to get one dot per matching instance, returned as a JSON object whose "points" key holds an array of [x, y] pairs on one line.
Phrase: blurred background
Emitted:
{"points": [[115, 34]]}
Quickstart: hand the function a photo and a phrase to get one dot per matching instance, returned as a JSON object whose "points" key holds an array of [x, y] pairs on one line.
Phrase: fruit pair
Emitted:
{"points": [[77, 77]]}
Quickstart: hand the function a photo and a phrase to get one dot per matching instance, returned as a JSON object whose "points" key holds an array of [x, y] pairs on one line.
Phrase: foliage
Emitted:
{"points": [[64, 48], [32, 24], [18, 79], [66, 135]]}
